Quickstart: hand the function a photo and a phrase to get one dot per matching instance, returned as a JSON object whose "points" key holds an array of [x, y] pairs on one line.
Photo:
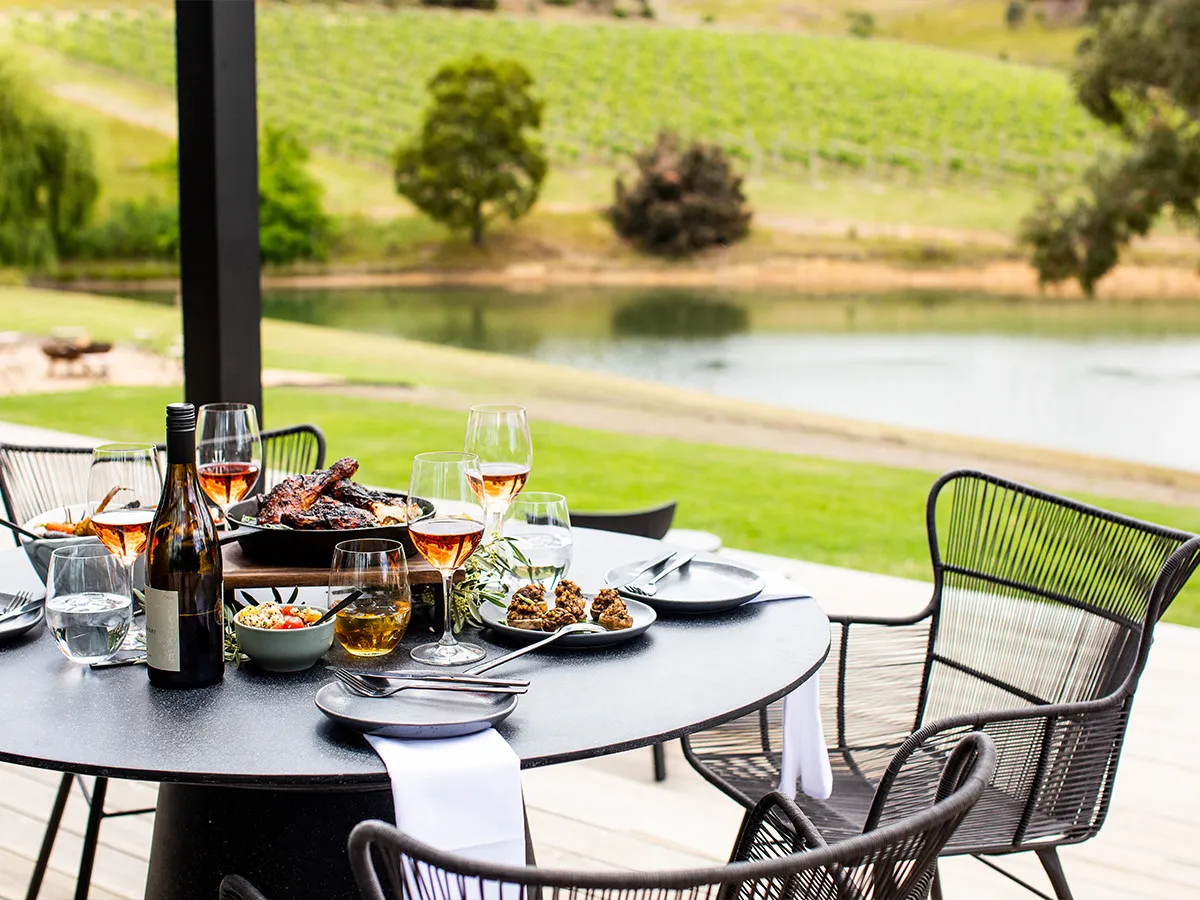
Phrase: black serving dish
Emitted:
{"points": [[307, 547]]}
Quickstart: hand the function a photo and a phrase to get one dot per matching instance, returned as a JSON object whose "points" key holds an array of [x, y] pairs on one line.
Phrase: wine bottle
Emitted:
{"points": [[185, 634]]}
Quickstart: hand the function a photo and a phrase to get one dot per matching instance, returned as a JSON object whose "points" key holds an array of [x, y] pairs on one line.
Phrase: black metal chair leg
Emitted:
{"points": [[56, 814], [1058, 879], [90, 838], [660, 762]]}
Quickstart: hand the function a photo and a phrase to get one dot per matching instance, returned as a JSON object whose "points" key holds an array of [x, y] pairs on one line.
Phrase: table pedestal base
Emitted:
{"points": [[290, 844]]}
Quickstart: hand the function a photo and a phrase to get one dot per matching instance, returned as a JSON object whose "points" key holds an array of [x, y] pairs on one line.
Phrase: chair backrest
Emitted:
{"points": [[296, 450], [778, 854], [652, 523], [36, 479], [1038, 599]]}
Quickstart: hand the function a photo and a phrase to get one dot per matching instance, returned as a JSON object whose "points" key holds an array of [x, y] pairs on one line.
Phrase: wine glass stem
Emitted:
{"points": [[495, 520], [448, 595]]}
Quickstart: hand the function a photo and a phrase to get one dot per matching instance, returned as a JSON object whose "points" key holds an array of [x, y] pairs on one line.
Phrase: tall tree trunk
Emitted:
{"points": [[477, 225]]}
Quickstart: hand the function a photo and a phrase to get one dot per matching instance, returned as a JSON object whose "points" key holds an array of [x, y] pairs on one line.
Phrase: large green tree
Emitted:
{"points": [[48, 184], [292, 223], [474, 158], [1139, 73]]}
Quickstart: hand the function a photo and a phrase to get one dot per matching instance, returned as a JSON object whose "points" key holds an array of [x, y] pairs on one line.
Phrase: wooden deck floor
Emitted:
{"points": [[609, 813]]}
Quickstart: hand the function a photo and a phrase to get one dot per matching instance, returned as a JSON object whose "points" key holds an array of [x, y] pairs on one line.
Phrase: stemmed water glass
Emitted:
{"points": [[499, 436], [124, 485], [452, 482], [539, 524], [228, 452]]}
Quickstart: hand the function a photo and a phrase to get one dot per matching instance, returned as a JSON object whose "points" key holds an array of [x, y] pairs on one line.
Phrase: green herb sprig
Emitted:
{"points": [[486, 579]]}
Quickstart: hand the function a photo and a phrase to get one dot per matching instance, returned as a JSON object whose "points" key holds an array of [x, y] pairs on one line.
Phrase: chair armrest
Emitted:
{"points": [[235, 887], [774, 828], [1054, 773]]}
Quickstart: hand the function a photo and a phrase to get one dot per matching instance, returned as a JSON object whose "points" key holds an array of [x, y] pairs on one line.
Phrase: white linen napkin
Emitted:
{"points": [[461, 795], [805, 758], [17, 573]]}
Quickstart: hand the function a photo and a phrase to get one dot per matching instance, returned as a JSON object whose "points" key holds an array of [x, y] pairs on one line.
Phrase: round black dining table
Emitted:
{"points": [[256, 781]]}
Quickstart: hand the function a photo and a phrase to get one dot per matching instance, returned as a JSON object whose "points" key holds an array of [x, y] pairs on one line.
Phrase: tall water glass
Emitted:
{"points": [[88, 605], [499, 436], [228, 452], [374, 624], [539, 524], [452, 483]]}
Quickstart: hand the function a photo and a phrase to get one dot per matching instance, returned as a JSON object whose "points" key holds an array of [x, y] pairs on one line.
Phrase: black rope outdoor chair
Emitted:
{"points": [[1042, 615], [778, 854], [36, 479]]}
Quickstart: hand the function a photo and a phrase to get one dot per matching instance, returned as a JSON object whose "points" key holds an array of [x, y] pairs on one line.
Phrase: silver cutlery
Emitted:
{"points": [[652, 564], [385, 678], [650, 588], [21, 605], [356, 684], [577, 628]]}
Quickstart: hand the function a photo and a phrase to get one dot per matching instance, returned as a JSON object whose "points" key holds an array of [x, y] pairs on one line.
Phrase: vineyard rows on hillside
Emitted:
{"points": [[354, 82]]}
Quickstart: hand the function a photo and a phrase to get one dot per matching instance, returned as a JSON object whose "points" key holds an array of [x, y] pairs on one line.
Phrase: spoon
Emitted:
{"points": [[577, 628]]}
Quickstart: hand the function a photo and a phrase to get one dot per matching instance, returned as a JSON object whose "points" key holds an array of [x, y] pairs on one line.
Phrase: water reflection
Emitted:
{"points": [[680, 315]]}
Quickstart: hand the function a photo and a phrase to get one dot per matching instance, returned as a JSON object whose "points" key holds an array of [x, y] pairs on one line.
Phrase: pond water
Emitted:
{"points": [[1106, 378]]}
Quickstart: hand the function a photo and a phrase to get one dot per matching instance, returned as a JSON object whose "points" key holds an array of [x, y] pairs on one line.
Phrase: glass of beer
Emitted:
{"points": [[374, 624]]}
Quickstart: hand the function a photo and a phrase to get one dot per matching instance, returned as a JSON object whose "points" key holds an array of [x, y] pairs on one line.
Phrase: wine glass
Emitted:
{"points": [[228, 452], [452, 482], [124, 485], [539, 524], [88, 602], [374, 624], [499, 436]]}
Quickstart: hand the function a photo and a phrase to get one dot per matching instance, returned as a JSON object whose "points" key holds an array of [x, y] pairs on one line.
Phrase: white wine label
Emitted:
{"points": [[162, 629]]}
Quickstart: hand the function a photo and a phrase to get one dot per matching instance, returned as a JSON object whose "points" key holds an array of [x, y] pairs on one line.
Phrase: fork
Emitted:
{"points": [[20, 605], [360, 686], [650, 588]]}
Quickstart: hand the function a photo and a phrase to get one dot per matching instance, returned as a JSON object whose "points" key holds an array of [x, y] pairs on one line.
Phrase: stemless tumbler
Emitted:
{"points": [[374, 624], [88, 605], [540, 526]]}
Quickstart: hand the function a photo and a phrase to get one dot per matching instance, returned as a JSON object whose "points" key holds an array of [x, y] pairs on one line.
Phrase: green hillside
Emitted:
{"points": [[352, 80]]}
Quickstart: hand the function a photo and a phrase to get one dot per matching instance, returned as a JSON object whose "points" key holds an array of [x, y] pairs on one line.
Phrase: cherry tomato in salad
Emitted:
{"points": [[288, 610], [291, 622]]}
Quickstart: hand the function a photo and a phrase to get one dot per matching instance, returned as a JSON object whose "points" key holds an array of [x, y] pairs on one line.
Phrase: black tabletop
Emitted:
{"points": [[684, 674]]}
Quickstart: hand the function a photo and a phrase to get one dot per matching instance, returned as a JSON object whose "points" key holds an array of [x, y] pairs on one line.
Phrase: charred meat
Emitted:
{"points": [[298, 493], [327, 513]]}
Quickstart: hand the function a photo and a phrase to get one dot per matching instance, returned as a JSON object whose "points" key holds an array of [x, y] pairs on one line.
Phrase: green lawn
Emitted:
{"points": [[839, 513]]}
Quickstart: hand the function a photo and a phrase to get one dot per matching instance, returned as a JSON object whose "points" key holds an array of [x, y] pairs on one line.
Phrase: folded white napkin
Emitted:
{"points": [[805, 758], [462, 795], [17, 573]]}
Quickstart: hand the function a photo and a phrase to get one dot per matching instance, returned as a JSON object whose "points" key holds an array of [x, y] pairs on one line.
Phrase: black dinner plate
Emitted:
{"points": [[643, 617], [702, 586]]}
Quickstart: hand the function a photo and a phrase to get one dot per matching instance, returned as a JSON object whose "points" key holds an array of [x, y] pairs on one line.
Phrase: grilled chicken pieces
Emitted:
{"points": [[299, 493], [327, 513]]}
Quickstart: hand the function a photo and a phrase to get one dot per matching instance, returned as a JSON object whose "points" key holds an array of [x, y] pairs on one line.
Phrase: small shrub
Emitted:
{"points": [[1014, 14], [709, 19], [684, 199], [292, 223], [133, 229], [862, 23], [559, 2]]}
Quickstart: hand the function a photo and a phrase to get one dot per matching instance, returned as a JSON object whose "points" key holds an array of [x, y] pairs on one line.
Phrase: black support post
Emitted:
{"points": [[218, 201]]}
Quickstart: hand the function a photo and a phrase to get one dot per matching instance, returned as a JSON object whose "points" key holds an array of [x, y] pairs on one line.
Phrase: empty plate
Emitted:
{"points": [[415, 713], [643, 617], [18, 626], [702, 586]]}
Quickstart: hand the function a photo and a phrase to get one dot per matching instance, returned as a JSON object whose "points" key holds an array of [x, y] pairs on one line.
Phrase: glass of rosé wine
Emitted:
{"points": [[499, 436], [452, 483], [228, 452]]}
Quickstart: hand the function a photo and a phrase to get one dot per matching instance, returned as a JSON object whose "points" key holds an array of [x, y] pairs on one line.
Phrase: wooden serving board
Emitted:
{"points": [[243, 572]]}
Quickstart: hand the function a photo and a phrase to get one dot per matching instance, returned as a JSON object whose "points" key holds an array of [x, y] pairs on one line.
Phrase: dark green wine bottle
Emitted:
{"points": [[185, 634]]}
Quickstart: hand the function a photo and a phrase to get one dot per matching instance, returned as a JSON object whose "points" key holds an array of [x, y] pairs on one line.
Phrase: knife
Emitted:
{"points": [[652, 564]]}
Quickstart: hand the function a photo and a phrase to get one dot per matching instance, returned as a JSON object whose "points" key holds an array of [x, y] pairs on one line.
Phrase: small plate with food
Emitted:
{"points": [[63, 522], [300, 520], [531, 615]]}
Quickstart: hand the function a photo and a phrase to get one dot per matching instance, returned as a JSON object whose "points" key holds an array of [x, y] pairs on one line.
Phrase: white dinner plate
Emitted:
{"points": [[702, 586], [643, 617]]}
